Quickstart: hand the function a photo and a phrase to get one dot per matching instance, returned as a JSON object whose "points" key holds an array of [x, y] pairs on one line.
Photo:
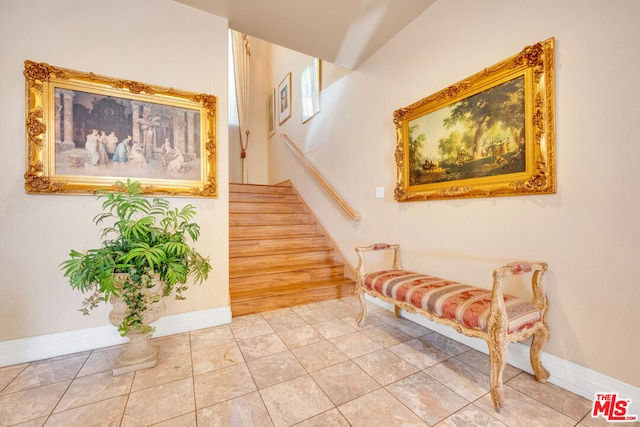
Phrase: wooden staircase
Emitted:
{"points": [[279, 256]]}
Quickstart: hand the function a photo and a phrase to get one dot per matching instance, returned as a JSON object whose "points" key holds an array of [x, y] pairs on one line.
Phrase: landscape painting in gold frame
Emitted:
{"points": [[85, 132], [491, 134]]}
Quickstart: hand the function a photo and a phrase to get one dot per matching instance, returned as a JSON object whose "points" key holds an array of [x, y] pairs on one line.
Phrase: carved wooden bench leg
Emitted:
{"points": [[498, 345], [542, 334], [363, 306], [540, 339], [497, 363], [397, 309]]}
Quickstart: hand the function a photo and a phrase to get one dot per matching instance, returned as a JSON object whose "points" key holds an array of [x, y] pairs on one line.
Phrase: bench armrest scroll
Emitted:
{"points": [[396, 265], [539, 299]]}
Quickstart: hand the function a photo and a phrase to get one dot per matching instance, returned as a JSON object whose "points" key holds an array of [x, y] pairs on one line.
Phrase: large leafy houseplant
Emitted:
{"points": [[142, 239]]}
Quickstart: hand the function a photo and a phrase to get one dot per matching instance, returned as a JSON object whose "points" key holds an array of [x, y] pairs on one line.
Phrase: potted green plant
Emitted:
{"points": [[145, 256]]}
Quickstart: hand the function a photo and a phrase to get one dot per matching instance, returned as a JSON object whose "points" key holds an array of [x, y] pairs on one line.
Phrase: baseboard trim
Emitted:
{"points": [[41, 347], [570, 376]]}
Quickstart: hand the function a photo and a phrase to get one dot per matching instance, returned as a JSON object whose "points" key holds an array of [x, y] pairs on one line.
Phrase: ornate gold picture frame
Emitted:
{"points": [[271, 106], [491, 134], [86, 131]]}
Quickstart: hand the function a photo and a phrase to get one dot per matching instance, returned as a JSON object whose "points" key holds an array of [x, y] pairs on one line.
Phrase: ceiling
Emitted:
{"points": [[344, 32]]}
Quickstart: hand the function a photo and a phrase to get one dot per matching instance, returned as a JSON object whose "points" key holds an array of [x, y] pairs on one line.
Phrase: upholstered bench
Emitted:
{"points": [[476, 312]]}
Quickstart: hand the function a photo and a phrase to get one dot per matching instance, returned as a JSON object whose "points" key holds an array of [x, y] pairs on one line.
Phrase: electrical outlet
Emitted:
{"points": [[379, 192]]}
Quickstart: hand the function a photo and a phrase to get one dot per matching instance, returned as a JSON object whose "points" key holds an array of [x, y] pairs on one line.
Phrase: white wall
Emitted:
{"points": [[159, 42], [587, 232]]}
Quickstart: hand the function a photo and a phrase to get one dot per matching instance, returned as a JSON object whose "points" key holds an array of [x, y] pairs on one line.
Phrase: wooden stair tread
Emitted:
{"points": [[263, 224], [293, 217], [274, 214], [250, 245], [264, 202], [263, 199], [280, 237], [266, 207], [283, 268], [283, 251], [260, 188], [259, 226]]}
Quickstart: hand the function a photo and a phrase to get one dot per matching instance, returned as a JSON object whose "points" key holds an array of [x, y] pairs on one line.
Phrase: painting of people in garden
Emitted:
{"points": [[107, 136], [479, 136]]}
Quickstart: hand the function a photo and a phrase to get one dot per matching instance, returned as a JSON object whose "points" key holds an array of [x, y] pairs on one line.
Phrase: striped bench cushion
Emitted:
{"points": [[467, 305]]}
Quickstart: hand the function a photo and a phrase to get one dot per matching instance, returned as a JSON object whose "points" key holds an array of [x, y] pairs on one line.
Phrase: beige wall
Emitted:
{"points": [[588, 231], [159, 42]]}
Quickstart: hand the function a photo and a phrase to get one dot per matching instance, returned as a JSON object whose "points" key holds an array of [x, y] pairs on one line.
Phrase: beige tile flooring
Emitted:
{"points": [[306, 366]]}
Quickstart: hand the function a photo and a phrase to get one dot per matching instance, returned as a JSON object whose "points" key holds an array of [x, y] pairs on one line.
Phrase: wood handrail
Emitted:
{"points": [[352, 214]]}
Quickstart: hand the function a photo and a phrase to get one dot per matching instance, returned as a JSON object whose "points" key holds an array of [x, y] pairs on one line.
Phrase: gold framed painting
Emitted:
{"points": [[492, 134], [85, 132]]}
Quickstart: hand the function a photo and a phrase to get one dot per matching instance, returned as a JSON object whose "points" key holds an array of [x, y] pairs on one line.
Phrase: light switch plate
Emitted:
{"points": [[379, 192]]}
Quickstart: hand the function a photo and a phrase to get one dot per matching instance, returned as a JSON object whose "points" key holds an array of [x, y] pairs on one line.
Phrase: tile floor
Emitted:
{"points": [[305, 366]]}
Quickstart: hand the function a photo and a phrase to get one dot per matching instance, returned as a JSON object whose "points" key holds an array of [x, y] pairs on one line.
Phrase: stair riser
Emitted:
{"points": [[247, 294], [247, 207], [272, 231], [260, 189], [272, 218], [239, 247], [264, 261], [258, 305], [287, 291], [261, 198], [283, 278]]}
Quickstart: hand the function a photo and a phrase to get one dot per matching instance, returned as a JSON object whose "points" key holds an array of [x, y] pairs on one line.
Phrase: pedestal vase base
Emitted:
{"points": [[138, 354], [125, 369]]}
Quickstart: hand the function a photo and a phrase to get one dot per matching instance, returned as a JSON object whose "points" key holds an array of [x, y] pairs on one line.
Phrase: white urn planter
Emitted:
{"points": [[150, 240], [139, 352]]}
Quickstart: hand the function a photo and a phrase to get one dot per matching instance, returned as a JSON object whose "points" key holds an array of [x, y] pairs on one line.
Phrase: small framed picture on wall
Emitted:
{"points": [[284, 99]]}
